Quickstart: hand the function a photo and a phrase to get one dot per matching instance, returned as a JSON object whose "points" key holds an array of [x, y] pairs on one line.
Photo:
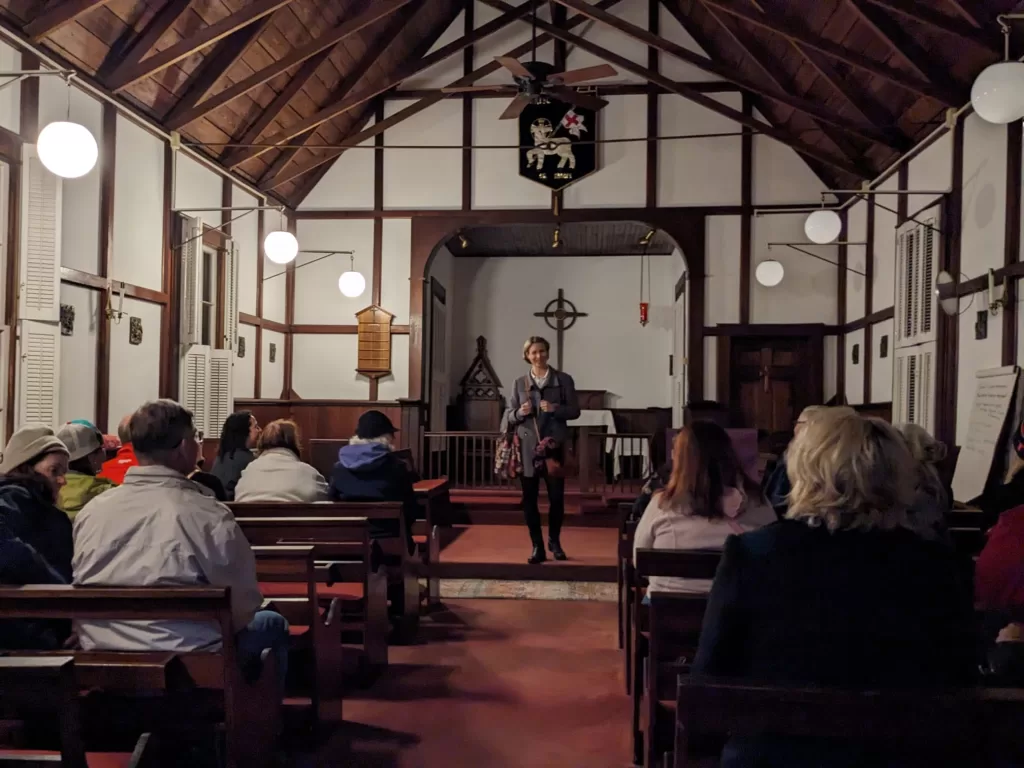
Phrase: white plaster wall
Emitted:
{"points": [[984, 197], [245, 232], [502, 42], [496, 180], [448, 70], [317, 298], [881, 368], [932, 170], [882, 291], [396, 384], [396, 246], [670, 66], [272, 379], [139, 206], [692, 171], [498, 297], [601, 34], [78, 355], [622, 171], [325, 367], [780, 174], [243, 369], [424, 178], [975, 355], [855, 373], [831, 352], [274, 280], [350, 182], [710, 368], [10, 98], [856, 259], [807, 293], [80, 222], [196, 186], [722, 270], [134, 370]]}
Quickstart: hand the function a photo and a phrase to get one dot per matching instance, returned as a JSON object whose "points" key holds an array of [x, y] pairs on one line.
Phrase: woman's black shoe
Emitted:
{"points": [[556, 550], [538, 556]]}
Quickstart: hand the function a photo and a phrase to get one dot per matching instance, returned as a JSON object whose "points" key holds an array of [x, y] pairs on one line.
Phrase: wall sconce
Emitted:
{"points": [[557, 241], [111, 313], [994, 302]]}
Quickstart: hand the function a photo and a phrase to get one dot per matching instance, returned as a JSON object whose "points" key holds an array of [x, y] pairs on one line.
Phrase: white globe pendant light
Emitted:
{"points": [[281, 247], [823, 227], [769, 273], [352, 283], [998, 93], [67, 149]]}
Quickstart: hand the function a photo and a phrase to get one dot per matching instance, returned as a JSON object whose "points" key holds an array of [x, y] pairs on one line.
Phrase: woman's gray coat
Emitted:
{"points": [[560, 390]]}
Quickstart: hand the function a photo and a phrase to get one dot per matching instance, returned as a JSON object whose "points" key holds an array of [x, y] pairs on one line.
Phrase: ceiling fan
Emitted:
{"points": [[538, 79]]}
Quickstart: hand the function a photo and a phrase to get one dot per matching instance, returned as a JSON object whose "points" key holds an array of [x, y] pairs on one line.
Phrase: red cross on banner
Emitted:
{"points": [[573, 123]]}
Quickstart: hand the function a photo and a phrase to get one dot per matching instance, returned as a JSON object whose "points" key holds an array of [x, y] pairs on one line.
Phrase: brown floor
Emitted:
{"points": [[494, 684], [511, 544]]}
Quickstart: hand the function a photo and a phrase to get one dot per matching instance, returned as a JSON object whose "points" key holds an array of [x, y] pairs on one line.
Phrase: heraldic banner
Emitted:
{"points": [[556, 141]]}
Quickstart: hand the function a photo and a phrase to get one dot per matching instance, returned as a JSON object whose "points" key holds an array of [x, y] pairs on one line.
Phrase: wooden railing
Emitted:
{"points": [[613, 465]]}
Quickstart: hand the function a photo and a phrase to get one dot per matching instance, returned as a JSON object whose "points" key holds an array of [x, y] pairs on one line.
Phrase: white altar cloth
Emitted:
{"points": [[624, 447]]}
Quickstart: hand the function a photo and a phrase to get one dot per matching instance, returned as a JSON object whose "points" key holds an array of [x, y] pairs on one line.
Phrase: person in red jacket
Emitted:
{"points": [[114, 469]]}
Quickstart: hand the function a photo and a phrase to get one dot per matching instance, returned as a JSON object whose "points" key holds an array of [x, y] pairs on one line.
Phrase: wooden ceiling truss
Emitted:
{"points": [[278, 89]]}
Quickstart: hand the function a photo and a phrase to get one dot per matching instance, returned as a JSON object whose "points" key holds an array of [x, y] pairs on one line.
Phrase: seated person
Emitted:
{"points": [[35, 536], [368, 471], [158, 529], [205, 479], [85, 449], [841, 593], [707, 497], [238, 437], [278, 474], [115, 468], [999, 591], [933, 502], [654, 483]]}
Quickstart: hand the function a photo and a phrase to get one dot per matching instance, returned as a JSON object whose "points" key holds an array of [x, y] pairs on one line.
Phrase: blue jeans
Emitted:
{"points": [[266, 630]]}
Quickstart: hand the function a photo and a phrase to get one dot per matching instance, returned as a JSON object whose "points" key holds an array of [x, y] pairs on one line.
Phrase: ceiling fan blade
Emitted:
{"points": [[514, 66], [478, 89], [515, 107], [595, 72], [586, 100]]}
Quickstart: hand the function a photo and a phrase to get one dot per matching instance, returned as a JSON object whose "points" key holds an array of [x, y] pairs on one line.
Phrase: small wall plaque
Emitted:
{"points": [[981, 326], [883, 347], [241, 346], [856, 354], [67, 320], [135, 331], [273, 352]]}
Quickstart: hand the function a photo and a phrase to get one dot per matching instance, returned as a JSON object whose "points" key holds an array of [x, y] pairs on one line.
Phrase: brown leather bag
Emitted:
{"points": [[564, 466]]}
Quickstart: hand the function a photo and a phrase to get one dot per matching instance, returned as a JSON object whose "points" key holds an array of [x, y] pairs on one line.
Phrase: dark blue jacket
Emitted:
{"points": [[35, 548], [777, 487], [370, 472]]}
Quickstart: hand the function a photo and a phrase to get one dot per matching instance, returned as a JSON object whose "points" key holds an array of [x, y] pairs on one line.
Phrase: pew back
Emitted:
{"points": [[678, 563]]}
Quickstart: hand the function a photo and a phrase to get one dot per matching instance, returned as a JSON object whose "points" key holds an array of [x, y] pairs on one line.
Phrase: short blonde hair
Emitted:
{"points": [[281, 433], [535, 340], [850, 472]]}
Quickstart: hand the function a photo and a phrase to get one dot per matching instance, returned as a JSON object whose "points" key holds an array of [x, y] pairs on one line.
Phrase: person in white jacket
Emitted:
{"points": [[278, 474], [707, 498], [160, 529]]}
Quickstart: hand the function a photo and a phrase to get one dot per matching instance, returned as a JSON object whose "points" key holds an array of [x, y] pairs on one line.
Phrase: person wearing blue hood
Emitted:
{"points": [[367, 470]]}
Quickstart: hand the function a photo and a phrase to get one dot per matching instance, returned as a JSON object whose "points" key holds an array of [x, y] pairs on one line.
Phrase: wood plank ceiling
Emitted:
{"points": [[849, 83]]}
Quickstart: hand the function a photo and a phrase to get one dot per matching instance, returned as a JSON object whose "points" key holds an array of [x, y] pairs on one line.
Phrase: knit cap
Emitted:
{"points": [[28, 442]]}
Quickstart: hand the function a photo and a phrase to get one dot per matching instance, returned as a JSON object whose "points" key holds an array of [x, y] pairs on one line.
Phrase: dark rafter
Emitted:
{"points": [[137, 47], [796, 31], [966, 9], [372, 13], [413, 68], [350, 81], [132, 72], [778, 93], [215, 66], [49, 21], [426, 102], [942, 22], [904, 46]]}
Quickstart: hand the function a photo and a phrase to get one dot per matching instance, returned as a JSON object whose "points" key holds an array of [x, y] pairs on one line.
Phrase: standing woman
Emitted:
{"points": [[239, 436], [541, 403]]}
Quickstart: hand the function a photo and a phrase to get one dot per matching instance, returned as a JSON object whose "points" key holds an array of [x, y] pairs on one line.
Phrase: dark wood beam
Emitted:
{"points": [[775, 93], [107, 170], [936, 20], [1011, 242], [59, 14], [340, 107], [315, 51], [905, 46], [969, 12], [343, 89], [797, 31], [215, 66], [601, 88], [132, 72], [467, 108], [123, 56]]}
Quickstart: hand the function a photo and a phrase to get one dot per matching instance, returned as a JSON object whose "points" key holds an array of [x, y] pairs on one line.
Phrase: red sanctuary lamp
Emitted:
{"points": [[643, 312]]}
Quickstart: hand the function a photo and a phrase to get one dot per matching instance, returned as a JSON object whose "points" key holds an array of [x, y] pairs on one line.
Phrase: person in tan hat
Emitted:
{"points": [[86, 455]]}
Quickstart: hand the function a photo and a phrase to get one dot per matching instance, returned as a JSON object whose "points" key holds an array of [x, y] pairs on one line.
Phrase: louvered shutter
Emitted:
{"points": [[899, 407], [917, 255], [929, 255], [191, 277], [39, 289], [39, 373], [221, 400], [195, 374], [230, 308]]}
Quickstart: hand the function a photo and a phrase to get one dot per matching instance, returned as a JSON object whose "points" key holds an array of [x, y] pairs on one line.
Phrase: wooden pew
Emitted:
{"points": [[627, 596], [314, 630], [188, 690], [678, 563], [345, 555], [434, 499], [621, 563], [401, 569], [46, 687], [932, 727]]}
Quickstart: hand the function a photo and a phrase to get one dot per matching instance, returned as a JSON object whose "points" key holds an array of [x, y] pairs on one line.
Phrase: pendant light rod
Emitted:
{"points": [[885, 192], [326, 255], [795, 247], [246, 208]]}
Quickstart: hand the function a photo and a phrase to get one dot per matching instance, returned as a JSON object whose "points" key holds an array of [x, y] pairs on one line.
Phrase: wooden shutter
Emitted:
{"points": [[195, 373], [221, 402], [39, 383], [39, 289], [191, 281], [899, 389], [230, 307]]}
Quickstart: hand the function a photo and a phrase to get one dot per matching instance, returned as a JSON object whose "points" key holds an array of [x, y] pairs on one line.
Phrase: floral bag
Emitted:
{"points": [[508, 459]]}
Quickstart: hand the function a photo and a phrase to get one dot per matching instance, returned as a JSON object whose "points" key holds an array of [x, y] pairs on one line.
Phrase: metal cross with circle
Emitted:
{"points": [[560, 315]]}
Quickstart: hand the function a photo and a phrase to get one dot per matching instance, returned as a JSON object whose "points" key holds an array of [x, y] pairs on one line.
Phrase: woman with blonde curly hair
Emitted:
{"points": [[841, 593], [932, 502]]}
